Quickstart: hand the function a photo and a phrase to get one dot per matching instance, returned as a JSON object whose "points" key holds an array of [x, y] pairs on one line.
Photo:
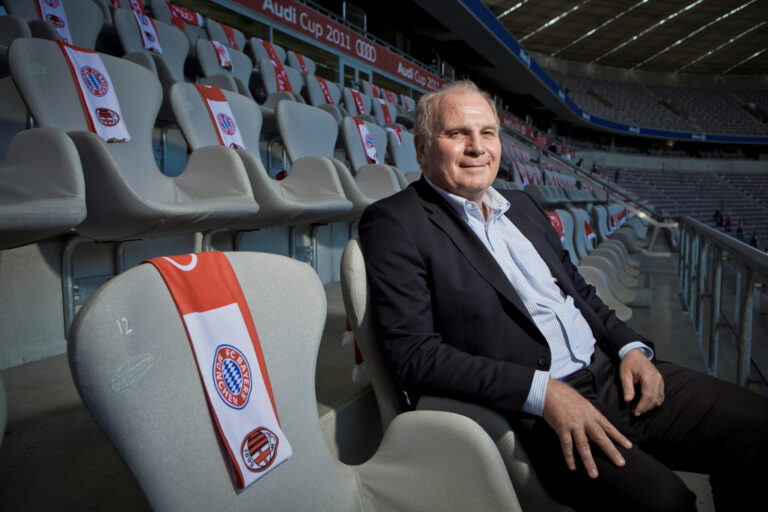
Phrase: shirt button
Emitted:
{"points": [[543, 362]]}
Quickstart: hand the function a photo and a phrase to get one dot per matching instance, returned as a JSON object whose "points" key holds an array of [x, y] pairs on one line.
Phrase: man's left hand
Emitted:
{"points": [[636, 369]]}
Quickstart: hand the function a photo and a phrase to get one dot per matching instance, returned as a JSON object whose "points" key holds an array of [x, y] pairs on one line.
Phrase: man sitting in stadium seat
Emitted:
{"points": [[474, 298]]}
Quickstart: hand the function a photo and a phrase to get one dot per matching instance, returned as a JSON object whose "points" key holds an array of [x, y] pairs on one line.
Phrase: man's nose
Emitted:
{"points": [[475, 144]]}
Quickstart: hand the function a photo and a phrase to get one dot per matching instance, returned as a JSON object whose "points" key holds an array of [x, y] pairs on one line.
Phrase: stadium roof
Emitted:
{"points": [[689, 36]]}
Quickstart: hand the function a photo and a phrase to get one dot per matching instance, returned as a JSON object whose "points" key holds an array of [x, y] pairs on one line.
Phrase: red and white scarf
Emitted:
{"points": [[390, 97], [225, 61], [406, 103], [97, 96], [148, 31], [557, 223], [374, 89], [230, 33], [138, 6], [588, 229], [180, 15], [221, 116], [398, 135], [283, 84], [303, 64], [233, 372], [385, 110], [367, 140], [52, 11], [358, 99], [324, 87]]}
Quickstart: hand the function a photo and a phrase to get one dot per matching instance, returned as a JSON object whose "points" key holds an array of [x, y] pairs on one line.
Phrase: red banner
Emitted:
{"points": [[302, 19]]}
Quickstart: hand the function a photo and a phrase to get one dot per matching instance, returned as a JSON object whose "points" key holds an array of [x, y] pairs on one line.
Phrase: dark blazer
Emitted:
{"points": [[447, 317]]}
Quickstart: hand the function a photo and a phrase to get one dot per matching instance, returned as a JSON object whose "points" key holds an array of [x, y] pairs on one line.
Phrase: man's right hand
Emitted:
{"points": [[577, 422]]}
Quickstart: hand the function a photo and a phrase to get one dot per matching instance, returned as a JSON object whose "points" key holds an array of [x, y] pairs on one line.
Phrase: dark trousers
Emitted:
{"points": [[705, 425]]}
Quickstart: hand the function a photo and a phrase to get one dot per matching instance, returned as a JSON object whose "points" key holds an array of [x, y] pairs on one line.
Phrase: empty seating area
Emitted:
{"points": [[743, 196], [684, 109]]}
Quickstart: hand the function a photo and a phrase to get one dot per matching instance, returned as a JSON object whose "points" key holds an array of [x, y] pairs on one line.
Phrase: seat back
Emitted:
{"points": [[315, 94], [173, 41], [349, 102], [378, 112], [242, 68], [293, 61], [353, 144], [53, 99], [160, 11], [568, 233], [258, 52], [306, 130], [216, 33], [84, 17], [269, 78], [148, 397]]}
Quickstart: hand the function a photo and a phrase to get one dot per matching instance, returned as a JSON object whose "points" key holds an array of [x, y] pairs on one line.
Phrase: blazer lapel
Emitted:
{"points": [[468, 245]]}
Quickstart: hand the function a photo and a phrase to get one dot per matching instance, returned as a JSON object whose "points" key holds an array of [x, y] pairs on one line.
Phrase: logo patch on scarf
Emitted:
{"points": [[227, 123], [55, 21], [94, 80], [259, 449], [369, 141], [107, 116], [52, 3], [232, 375]]}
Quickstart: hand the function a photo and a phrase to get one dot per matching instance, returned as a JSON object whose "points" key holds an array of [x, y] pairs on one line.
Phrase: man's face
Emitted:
{"points": [[463, 154]]}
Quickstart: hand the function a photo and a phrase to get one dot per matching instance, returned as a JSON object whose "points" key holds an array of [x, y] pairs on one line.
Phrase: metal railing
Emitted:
{"points": [[703, 251]]}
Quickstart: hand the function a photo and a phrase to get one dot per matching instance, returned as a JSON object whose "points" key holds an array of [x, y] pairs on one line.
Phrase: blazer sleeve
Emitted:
{"points": [[421, 362]]}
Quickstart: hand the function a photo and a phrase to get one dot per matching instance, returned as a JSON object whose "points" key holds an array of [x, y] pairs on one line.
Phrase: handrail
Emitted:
{"points": [[700, 270]]}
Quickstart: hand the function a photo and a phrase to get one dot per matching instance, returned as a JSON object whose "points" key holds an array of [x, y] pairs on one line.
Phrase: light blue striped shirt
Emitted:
{"points": [[568, 334]]}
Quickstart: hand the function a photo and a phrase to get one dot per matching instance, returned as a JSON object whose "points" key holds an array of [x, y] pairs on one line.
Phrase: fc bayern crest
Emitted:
{"points": [[150, 37], [369, 141], [94, 80], [107, 116], [232, 376], [52, 3], [55, 21], [226, 123], [259, 449]]}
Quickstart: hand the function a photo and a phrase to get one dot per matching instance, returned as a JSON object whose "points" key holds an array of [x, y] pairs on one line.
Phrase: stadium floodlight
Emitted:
{"points": [[703, 27], [555, 20], [652, 27], [512, 9], [600, 27], [730, 41], [743, 61]]}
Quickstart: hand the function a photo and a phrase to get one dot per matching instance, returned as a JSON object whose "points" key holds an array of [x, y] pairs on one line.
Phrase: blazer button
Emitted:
{"points": [[543, 362]]}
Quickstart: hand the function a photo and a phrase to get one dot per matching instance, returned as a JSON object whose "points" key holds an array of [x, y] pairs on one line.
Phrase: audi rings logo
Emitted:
{"points": [[365, 51]]}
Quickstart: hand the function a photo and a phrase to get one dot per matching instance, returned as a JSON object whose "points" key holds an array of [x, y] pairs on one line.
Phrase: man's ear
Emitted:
{"points": [[420, 143]]}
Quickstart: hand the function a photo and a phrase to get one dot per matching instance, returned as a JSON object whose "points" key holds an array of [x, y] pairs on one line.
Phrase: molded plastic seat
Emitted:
{"points": [[216, 33], [351, 106], [354, 287], [404, 155], [293, 61], [11, 27], [311, 192], [127, 196], [168, 66], [269, 80], [42, 192], [148, 398], [315, 97], [600, 281], [309, 131], [84, 18], [160, 12], [356, 152], [237, 79], [257, 51]]}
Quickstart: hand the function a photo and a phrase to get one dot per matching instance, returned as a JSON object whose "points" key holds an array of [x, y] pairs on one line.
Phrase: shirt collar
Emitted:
{"points": [[494, 202]]}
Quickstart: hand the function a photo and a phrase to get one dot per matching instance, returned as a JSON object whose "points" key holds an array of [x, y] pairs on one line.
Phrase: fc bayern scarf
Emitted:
{"points": [[221, 116], [358, 99], [180, 15], [557, 223], [283, 84], [324, 87], [367, 140], [397, 133], [385, 110], [148, 31], [303, 64], [52, 11], [230, 33], [390, 97], [97, 96], [225, 61], [233, 372]]}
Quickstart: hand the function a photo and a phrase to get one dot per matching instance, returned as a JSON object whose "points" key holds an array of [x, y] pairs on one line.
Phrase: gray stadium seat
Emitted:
{"points": [[85, 20], [350, 105], [159, 11], [147, 396], [356, 152], [311, 192], [237, 79], [404, 155], [309, 131], [11, 27], [354, 287], [216, 33], [315, 97], [293, 61], [257, 51]]}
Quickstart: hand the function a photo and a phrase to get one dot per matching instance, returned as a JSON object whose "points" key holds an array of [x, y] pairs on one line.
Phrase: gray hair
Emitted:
{"points": [[424, 121]]}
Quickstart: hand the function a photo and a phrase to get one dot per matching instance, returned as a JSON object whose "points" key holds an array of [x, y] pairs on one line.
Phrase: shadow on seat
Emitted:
{"points": [[146, 393], [354, 288]]}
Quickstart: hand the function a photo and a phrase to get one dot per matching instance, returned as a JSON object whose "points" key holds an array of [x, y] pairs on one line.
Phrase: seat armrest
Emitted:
{"points": [[422, 452]]}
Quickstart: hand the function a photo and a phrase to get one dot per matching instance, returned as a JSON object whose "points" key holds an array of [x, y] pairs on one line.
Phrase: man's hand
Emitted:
{"points": [[636, 369], [577, 422]]}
